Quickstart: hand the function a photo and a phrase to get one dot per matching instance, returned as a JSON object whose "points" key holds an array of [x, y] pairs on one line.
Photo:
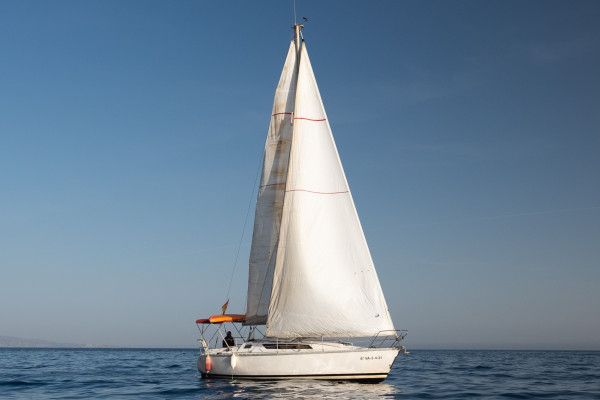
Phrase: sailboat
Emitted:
{"points": [[312, 284]]}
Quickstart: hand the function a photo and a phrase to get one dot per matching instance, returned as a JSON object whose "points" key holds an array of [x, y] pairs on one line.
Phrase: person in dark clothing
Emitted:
{"points": [[229, 341]]}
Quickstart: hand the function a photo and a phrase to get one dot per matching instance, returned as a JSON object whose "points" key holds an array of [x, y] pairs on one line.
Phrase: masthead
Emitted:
{"points": [[297, 28]]}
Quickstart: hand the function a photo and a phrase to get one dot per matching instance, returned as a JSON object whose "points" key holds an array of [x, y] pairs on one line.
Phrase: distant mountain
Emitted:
{"points": [[11, 341]]}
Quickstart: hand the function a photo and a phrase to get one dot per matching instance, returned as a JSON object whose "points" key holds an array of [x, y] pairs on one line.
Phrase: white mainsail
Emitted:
{"points": [[269, 205], [311, 273]]}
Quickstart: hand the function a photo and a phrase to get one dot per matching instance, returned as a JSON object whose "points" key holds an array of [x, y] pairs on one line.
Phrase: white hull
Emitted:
{"points": [[324, 360]]}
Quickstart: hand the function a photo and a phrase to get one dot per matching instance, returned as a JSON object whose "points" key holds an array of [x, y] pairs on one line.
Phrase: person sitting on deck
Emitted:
{"points": [[229, 341]]}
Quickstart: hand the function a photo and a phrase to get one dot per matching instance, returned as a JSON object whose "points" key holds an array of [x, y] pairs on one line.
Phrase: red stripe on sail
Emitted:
{"points": [[281, 114]]}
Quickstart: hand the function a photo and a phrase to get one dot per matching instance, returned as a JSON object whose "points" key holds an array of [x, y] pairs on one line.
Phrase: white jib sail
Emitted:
{"points": [[324, 281], [269, 203]]}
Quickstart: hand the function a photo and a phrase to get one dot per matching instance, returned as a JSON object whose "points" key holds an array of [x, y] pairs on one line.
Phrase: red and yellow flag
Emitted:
{"points": [[224, 308]]}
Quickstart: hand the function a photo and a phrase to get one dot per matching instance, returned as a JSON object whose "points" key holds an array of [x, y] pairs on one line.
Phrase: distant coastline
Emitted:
{"points": [[12, 341]]}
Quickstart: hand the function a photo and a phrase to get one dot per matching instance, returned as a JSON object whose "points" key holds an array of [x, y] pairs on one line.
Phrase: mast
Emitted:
{"points": [[297, 28]]}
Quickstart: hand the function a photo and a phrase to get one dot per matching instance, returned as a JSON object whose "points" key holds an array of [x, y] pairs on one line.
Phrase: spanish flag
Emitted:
{"points": [[224, 308]]}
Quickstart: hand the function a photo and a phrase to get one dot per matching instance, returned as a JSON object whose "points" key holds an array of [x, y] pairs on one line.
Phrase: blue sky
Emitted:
{"points": [[131, 133]]}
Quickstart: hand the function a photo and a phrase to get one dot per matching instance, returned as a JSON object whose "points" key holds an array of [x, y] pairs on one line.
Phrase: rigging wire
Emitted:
{"points": [[244, 228]]}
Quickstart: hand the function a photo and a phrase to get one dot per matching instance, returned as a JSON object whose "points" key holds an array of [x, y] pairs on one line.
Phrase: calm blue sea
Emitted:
{"points": [[171, 374]]}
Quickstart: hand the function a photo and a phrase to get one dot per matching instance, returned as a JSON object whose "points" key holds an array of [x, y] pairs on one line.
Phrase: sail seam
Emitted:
{"points": [[306, 119], [311, 191], [309, 119], [272, 184]]}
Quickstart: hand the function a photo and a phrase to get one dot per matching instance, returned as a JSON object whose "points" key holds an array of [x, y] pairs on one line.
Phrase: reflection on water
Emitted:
{"points": [[298, 389]]}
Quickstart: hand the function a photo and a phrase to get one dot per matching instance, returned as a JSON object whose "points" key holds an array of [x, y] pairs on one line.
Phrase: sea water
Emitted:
{"points": [[172, 374]]}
